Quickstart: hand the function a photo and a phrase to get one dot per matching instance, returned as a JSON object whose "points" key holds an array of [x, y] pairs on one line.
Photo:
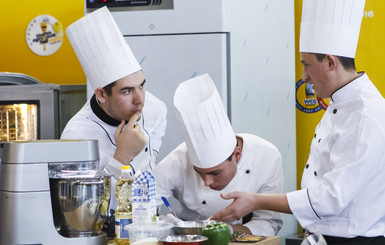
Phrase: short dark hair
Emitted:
{"points": [[347, 63], [108, 88]]}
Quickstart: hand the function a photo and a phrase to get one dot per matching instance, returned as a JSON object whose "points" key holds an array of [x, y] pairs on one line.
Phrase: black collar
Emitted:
{"points": [[101, 114]]}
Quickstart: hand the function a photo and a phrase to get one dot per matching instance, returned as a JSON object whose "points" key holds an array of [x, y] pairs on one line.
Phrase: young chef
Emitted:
{"points": [[214, 159], [119, 97], [343, 188]]}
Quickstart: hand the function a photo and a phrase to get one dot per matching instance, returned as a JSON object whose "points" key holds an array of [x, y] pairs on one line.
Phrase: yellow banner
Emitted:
{"points": [[33, 41]]}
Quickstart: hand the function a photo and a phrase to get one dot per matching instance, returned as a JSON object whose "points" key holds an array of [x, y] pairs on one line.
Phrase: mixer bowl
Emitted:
{"points": [[80, 205]]}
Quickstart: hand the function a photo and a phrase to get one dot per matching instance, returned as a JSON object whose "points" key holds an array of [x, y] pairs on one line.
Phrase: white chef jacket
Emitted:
{"points": [[87, 125], [343, 188], [259, 170]]}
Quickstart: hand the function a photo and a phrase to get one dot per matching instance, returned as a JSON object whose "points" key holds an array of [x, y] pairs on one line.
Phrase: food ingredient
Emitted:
{"points": [[217, 234], [123, 212]]}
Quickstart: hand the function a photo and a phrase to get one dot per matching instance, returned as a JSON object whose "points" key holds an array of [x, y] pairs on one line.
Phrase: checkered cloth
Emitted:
{"points": [[143, 188]]}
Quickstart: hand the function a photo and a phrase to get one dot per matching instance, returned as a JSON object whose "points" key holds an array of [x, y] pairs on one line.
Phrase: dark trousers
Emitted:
{"points": [[379, 240]]}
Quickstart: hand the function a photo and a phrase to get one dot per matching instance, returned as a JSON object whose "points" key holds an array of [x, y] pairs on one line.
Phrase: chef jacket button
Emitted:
{"points": [[315, 135], [319, 140], [248, 171], [334, 111], [307, 166], [315, 173], [204, 202], [146, 150]]}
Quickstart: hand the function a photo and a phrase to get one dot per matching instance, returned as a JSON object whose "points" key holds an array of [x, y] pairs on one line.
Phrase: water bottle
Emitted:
{"points": [[123, 212]]}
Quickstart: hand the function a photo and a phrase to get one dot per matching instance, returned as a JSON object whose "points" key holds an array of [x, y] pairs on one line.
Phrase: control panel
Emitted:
{"points": [[130, 5]]}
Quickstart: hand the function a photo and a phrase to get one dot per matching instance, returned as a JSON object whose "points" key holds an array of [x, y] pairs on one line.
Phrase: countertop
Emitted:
{"points": [[270, 240]]}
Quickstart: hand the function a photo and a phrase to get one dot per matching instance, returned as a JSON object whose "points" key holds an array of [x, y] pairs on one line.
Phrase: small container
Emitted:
{"points": [[138, 232], [190, 227], [184, 239]]}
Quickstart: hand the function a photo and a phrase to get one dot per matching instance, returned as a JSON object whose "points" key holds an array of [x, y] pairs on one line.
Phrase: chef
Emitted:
{"points": [[214, 159], [127, 121], [342, 195]]}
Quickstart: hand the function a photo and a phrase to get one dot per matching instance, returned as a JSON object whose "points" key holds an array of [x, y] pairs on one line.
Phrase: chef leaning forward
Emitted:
{"points": [[127, 121], [343, 188], [214, 159]]}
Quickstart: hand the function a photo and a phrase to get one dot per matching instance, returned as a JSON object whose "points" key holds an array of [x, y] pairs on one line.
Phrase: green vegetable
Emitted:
{"points": [[218, 234]]}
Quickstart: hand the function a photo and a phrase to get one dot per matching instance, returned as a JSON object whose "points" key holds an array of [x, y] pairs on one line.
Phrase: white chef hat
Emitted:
{"points": [[331, 26], [101, 49], [209, 137]]}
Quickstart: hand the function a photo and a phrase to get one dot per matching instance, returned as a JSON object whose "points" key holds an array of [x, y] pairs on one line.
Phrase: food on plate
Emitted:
{"points": [[246, 238]]}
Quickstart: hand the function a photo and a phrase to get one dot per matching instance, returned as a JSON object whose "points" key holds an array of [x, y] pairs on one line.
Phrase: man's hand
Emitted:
{"points": [[246, 202], [241, 206], [129, 140]]}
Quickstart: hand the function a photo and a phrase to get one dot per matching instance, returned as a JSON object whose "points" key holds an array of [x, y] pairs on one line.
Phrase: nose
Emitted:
{"points": [[305, 76], [208, 180], [138, 97]]}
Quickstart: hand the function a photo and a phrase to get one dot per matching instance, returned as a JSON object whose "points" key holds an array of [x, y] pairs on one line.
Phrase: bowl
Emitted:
{"points": [[80, 205], [183, 239], [190, 227], [148, 232]]}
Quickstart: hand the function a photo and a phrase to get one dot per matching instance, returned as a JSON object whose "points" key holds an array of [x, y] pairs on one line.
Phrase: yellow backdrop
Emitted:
{"points": [[369, 58], [62, 67]]}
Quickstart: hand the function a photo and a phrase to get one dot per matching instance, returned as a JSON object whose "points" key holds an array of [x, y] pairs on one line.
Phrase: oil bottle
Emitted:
{"points": [[123, 212]]}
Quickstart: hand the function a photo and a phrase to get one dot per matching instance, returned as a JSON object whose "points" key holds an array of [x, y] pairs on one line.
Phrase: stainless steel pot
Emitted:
{"points": [[80, 204]]}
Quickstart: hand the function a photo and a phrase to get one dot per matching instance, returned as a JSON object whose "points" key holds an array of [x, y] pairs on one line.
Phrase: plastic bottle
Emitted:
{"points": [[123, 212]]}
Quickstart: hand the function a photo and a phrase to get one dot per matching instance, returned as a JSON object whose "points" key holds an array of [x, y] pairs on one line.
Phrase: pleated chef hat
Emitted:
{"points": [[331, 26], [209, 137], [101, 49]]}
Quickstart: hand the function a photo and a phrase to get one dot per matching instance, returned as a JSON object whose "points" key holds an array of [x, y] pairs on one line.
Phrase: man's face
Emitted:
{"points": [[218, 177], [317, 73], [127, 97]]}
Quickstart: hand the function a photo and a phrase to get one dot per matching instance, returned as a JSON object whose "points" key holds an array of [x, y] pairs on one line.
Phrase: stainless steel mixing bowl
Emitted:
{"points": [[80, 204], [190, 227]]}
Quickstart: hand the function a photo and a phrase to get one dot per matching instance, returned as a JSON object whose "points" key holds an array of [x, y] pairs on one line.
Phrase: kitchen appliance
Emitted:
{"points": [[31, 110], [52, 192]]}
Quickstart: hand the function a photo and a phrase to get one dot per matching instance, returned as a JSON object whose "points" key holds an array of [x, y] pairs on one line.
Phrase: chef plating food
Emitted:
{"points": [[214, 159]]}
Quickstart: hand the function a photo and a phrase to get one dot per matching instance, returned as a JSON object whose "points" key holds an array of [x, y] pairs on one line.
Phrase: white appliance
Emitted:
{"points": [[246, 46]]}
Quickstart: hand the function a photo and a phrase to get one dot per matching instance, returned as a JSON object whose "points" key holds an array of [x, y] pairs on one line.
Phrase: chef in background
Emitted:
{"points": [[214, 159], [127, 121], [343, 189]]}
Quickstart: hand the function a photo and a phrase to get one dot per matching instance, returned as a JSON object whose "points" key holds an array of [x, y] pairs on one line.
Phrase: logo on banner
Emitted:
{"points": [[44, 35], [306, 99]]}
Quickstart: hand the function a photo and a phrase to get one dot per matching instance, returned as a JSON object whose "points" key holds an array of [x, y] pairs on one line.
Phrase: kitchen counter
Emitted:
{"points": [[270, 240]]}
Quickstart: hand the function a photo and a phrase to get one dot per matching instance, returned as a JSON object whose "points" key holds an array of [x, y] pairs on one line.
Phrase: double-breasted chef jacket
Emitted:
{"points": [[258, 170], [91, 122], [343, 187]]}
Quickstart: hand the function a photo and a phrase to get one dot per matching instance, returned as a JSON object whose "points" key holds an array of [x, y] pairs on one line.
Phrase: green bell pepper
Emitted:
{"points": [[218, 234]]}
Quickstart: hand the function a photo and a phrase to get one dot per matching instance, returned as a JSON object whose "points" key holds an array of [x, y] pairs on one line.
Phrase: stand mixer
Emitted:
{"points": [[52, 192]]}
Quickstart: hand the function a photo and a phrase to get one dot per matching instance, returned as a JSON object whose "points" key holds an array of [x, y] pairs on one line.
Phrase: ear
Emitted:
{"points": [[100, 95], [237, 153], [331, 61]]}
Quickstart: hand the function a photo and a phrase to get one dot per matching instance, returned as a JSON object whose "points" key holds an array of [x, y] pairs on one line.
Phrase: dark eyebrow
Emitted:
{"points": [[125, 88], [212, 172]]}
